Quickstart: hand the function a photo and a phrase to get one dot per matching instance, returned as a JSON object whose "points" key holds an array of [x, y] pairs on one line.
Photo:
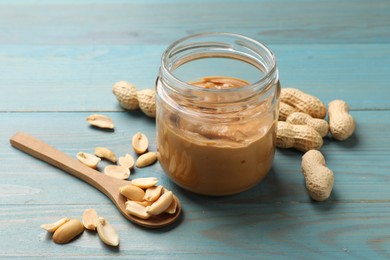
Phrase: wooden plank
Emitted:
{"points": [[285, 231], [159, 22], [79, 78], [58, 61], [360, 164]]}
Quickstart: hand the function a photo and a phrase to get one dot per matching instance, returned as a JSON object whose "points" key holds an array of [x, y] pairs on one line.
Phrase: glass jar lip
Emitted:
{"points": [[252, 86]]}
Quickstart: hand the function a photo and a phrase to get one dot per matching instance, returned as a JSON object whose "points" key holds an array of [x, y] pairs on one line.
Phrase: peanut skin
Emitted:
{"points": [[319, 179], [341, 123], [300, 137]]}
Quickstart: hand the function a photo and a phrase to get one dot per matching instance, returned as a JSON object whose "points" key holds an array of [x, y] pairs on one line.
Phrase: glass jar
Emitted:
{"points": [[217, 139]]}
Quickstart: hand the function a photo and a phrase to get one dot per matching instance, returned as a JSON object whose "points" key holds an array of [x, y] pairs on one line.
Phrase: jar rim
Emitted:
{"points": [[262, 82]]}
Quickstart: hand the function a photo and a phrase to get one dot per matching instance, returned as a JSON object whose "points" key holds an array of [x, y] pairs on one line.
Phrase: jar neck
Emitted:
{"points": [[217, 45]]}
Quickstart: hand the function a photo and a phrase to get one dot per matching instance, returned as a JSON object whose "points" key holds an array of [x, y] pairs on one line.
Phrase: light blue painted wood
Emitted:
{"points": [[115, 2], [357, 162], [275, 219], [284, 231], [64, 74], [286, 22], [58, 61]]}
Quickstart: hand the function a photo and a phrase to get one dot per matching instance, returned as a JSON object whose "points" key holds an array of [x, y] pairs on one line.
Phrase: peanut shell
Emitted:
{"points": [[300, 137], [319, 179], [147, 102], [126, 94], [303, 102], [341, 123]]}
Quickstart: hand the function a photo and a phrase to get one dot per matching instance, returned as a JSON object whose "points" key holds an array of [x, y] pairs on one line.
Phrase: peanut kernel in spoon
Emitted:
{"points": [[145, 183], [135, 209], [161, 204], [172, 208], [144, 203], [153, 193], [108, 186], [132, 192]]}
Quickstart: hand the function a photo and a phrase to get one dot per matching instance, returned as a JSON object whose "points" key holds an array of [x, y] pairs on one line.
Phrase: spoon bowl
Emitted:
{"points": [[106, 184]]}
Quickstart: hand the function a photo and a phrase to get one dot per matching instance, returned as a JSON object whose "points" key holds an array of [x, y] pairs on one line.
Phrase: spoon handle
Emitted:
{"points": [[46, 153]]}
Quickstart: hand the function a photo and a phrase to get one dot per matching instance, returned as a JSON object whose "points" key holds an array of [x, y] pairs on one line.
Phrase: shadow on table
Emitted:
{"points": [[352, 142], [278, 192]]}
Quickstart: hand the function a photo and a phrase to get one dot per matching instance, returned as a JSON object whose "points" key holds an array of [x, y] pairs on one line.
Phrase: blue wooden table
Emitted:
{"points": [[59, 59]]}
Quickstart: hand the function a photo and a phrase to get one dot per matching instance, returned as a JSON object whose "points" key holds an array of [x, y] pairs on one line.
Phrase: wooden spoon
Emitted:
{"points": [[106, 184]]}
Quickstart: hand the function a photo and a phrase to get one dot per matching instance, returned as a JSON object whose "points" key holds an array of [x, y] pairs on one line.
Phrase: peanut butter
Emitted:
{"points": [[220, 82], [217, 158]]}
